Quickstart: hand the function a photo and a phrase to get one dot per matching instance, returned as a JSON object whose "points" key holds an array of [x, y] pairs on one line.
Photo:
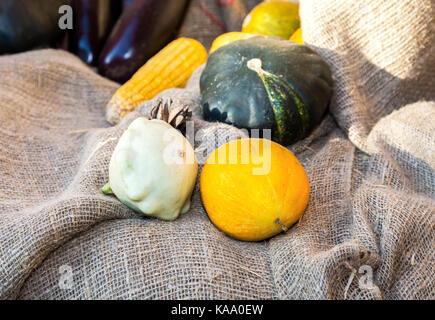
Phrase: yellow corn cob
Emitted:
{"points": [[170, 68]]}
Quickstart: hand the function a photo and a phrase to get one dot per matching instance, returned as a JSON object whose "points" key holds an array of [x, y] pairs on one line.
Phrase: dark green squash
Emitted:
{"points": [[267, 83]]}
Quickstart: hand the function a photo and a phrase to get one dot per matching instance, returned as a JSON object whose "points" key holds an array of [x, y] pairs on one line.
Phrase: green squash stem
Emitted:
{"points": [[107, 190], [279, 92]]}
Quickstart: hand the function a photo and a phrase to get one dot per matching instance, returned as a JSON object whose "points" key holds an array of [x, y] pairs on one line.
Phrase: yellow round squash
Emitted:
{"points": [[229, 37], [297, 36], [275, 18], [253, 189]]}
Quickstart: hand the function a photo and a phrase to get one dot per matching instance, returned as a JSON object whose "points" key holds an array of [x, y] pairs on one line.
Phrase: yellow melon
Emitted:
{"points": [[253, 189]]}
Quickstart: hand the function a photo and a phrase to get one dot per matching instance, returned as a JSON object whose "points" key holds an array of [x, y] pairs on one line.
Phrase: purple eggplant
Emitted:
{"points": [[144, 28], [93, 20]]}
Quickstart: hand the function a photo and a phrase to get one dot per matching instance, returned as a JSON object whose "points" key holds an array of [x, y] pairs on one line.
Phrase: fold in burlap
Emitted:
{"points": [[370, 164]]}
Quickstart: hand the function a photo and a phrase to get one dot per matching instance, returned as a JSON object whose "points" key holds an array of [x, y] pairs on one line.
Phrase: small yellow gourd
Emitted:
{"points": [[229, 37], [253, 189], [297, 36], [275, 18]]}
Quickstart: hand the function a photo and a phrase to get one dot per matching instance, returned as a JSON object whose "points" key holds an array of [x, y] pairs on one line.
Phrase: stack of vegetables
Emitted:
{"points": [[262, 77]]}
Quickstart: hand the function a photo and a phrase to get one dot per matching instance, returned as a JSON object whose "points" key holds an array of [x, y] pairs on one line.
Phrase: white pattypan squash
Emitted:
{"points": [[153, 169]]}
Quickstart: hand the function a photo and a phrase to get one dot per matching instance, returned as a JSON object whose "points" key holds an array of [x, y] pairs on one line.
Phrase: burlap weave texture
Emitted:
{"points": [[371, 166]]}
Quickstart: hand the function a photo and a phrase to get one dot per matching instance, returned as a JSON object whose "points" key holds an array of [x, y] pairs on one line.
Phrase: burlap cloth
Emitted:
{"points": [[370, 164]]}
